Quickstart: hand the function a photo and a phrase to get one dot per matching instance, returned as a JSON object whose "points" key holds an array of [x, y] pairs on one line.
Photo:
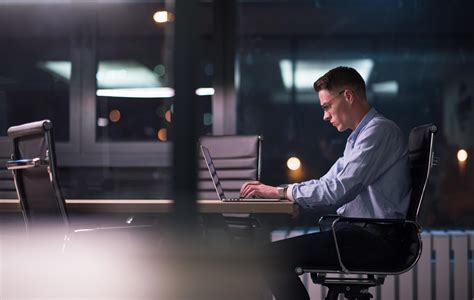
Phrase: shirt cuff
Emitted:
{"points": [[289, 193]]}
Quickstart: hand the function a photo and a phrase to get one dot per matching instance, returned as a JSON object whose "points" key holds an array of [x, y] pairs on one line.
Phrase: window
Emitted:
{"points": [[134, 99], [86, 67], [35, 68], [134, 76], [416, 58]]}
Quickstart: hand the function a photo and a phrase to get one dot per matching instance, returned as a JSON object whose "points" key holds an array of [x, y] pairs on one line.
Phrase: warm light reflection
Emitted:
{"points": [[293, 163], [462, 155], [162, 134], [162, 16], [168, 116], [114, 115]]}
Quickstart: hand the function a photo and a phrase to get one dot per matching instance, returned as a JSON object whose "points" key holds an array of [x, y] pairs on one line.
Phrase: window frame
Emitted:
{"points": [[82, 149]]}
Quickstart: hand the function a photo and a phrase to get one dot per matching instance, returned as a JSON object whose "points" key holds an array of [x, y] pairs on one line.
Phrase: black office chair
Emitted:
{"points": [[237, 159], [33, 164], [421, 160], [7, 185]]}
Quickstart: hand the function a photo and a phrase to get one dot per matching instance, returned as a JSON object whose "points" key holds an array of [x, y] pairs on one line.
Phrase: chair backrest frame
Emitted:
{"points": [[433, 130], [23, 166], [429, 130]]}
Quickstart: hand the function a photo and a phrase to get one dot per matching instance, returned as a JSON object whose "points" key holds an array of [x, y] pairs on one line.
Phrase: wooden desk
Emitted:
{"points": [[10, 205], [159, 206]]}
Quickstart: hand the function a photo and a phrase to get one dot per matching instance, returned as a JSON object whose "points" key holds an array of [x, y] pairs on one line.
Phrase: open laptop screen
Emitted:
{"points": [[213, 172]]}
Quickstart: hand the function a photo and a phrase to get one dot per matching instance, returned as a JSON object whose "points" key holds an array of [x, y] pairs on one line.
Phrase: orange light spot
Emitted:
{"points": [[162, 134], [168, 116], [114, 115]]}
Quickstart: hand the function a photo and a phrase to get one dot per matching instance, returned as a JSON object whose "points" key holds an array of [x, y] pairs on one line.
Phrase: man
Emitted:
{"points": [[370, 180]]}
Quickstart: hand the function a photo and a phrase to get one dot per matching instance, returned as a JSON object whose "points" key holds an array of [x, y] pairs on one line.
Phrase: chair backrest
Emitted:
{"points": [[237, 159], [421, 155], [7, 185], [34, 170]]}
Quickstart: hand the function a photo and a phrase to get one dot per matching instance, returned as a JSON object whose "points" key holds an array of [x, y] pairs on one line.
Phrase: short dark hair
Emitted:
{"points": [[339, 77]]}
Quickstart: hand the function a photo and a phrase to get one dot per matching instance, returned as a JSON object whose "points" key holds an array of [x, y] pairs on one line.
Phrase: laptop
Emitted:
{"points": [[218, 186]]}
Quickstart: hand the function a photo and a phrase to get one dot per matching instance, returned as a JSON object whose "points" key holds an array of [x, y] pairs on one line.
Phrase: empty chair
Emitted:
{"points": [[237, 159], [96, 263], [34, 170]]}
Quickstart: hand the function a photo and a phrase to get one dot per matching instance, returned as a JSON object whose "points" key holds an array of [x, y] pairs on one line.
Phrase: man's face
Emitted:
{"points": [[335, 108]]}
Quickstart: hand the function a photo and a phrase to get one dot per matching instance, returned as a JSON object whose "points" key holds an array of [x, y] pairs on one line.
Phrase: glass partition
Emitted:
{"points": [[134, 75], [416, 59], [35, 68]]}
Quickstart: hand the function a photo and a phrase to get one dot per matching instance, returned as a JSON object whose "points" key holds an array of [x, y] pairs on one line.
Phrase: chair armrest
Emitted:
{"points": [[326, 221], [112, 228], [330, 218], [370, 220], [26, 163]]}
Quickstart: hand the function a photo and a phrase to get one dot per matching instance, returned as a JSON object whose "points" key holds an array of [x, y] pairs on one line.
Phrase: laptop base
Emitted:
{"points": [[250, 200]]}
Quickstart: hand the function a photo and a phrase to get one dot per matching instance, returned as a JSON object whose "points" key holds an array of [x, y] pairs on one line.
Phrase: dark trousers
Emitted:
{"points": [[360, 245]]}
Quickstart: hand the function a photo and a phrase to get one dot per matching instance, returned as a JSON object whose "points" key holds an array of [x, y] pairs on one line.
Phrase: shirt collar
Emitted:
{"points": [[366, 119]]}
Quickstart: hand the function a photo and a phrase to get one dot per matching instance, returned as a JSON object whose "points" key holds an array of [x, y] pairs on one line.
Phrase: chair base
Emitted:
{"points": [[351, 288], [356, 293]]}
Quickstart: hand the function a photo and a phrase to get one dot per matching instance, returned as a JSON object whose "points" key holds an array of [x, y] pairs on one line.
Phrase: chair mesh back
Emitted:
{"points": [[236, 158], [39, 192], [420, 157]]}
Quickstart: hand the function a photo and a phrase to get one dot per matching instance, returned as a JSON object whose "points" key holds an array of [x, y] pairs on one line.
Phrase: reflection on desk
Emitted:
{"points": [[159, 206]]}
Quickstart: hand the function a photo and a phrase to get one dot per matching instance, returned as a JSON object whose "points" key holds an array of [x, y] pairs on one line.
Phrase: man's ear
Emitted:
{"points": [[349, 96]]}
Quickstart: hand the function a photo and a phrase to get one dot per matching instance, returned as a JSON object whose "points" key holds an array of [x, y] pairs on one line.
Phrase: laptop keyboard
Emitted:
{"points": [[249, 200], [233, 199]]}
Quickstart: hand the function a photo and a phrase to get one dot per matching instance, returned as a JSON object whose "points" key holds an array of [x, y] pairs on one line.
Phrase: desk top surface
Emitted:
{"points": [[159, 206]]}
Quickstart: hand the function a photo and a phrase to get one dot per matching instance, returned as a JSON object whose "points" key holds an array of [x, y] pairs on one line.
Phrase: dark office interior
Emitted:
{"points": [[130, 96]]}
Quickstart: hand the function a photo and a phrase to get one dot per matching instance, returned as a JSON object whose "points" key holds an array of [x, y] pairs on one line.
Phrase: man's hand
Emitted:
{"points": [[255, 189]]}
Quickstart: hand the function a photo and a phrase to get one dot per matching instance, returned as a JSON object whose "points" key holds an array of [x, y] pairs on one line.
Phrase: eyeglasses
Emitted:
{"points": [[327, 106]]}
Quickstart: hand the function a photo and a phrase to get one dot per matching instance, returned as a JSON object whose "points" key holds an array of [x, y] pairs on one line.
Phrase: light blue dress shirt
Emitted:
{"points": [[371, 179]]}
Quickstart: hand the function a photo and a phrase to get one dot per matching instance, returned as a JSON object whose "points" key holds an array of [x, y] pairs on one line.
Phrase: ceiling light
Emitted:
{"points": [[162, 16], [386, 87], [163, 92], [308, 71], [205, 91]]}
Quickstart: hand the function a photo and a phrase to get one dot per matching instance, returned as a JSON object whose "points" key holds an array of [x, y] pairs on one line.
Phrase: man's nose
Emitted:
{"points": [[326, 116]]}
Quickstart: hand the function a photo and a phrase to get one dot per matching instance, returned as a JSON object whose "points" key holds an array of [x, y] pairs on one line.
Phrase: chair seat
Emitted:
{"points": [[374, 268]]}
